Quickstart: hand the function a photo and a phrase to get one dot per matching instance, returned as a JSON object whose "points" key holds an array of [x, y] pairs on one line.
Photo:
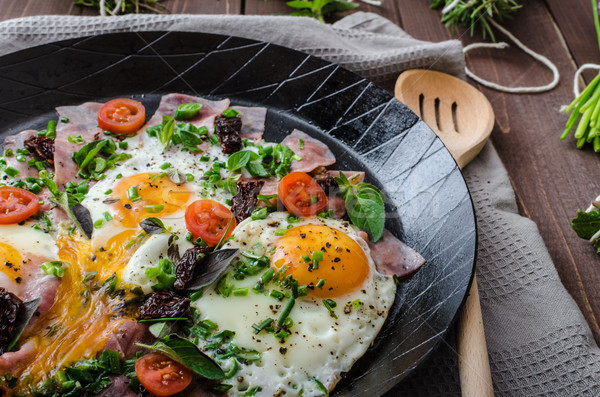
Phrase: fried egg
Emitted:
{"points": [[329, 328], [22, 250]]}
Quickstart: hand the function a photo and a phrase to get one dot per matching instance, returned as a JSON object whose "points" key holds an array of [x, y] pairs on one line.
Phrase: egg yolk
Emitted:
{"points": [[10, 261], [144, 195], [344, 265]]}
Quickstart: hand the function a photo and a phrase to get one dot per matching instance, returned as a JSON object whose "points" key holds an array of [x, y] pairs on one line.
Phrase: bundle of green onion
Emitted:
{"points": [[586, 105], [586, 109]]}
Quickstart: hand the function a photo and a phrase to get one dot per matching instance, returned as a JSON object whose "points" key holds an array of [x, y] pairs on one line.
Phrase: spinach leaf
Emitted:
{"points": [[586, 224], [365, 206], [185, 352]]}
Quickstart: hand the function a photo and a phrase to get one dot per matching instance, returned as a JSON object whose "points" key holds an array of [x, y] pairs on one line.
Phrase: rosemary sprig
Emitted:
{"points": [[586, 107], [112, 7], [475, 13]]}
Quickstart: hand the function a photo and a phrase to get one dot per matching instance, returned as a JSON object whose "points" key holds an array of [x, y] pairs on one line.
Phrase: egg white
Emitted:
{"points": [[320, 347]]}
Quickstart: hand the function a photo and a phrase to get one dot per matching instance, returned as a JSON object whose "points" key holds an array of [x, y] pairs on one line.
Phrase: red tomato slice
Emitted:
{"points": [[122, 116], [209, 220], [161, 375], [17, 204], [301, 194]]}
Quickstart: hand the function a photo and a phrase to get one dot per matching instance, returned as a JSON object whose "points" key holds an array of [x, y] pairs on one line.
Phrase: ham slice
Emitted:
{"points": [[82, 121], [9, 361], [119, 387], [253, 121], [125, 337], [206, 116], [15, 142], [314, 152], [392, 256]]}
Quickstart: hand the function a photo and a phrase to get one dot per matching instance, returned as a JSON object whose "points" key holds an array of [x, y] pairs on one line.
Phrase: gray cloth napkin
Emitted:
{"points": [[538, 340]]}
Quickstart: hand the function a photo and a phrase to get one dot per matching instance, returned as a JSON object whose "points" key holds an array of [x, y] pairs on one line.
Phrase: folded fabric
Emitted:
{"points": [[538, 341]]}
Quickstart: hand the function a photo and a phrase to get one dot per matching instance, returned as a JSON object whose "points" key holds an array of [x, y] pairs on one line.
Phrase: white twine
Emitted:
{"points": [[582, 68], [515, 90]]}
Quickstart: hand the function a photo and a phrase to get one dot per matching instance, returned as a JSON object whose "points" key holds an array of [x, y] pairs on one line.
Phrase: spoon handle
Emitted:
{"points": [[473, 364]]}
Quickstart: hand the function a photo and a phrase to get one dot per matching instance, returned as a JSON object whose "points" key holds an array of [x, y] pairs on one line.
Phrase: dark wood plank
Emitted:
{"points": [[552, 179], [21, 8], [576, 22]]}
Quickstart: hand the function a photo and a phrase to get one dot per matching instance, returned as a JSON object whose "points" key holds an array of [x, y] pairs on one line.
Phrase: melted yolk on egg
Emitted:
{"points": [[144, 195], [10, 261], [344, 266]]}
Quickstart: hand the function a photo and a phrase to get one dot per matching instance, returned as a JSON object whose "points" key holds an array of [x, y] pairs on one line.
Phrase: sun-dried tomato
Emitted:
{"points": [[165, 304], [244, 201], [187, 265], [10, 305], [229, 129], [42, 147], [325, 180]]}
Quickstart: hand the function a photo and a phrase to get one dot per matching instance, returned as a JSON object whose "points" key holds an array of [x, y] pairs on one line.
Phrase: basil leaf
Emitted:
{"points": [[185, 352], [189, 140], [187, 111], [238, 160], [214, 266], [257, 169], [153, 225], [166, 134], [161, 329], [365, 206], [586, 224], [23, 317]]}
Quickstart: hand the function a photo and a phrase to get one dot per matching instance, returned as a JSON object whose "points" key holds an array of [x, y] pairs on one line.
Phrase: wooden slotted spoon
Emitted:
{"points": [[463, 119]]}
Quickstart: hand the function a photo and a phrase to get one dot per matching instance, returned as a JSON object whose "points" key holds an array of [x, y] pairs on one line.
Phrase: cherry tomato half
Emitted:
{"points": [[122, 116], [209, 220], [301, 194], [161, 375], [17, 204]]}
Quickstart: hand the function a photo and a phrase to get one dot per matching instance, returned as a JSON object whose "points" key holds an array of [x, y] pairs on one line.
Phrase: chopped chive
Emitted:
{"points": [[280, 232], [214, 139], [330, 305], [306, 258], [119, 176], [194, 296], [76, 139], [132, 192], [301, 143], [99, 223], [205, 158], [107, 216], [89, 276], [189, 237], [228, 202], [51, 129], [154, 209], [259, 213], [164, 166], [276, 294], [189, 177], [64, 119], [286, 312], [264, 324], [302, 290], [317, 256], [187, 111], [8, 152], [230, 113], [10, 171], [123, 145], [267, 276], [283, 334], [292, 219], [320, 284], [240, 292], [109, 191]]}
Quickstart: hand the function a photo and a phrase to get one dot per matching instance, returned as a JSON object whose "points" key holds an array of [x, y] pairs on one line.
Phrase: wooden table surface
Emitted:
{"points": [[551, 178]]}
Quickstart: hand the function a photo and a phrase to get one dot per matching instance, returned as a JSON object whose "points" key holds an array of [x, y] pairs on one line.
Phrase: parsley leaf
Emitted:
{"points": [[586, 224]]}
